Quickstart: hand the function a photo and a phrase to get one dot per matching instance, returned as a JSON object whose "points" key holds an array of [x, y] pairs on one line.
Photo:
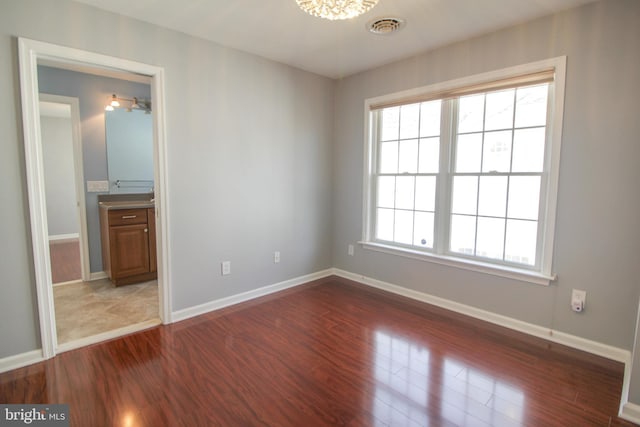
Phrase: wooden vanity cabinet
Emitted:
{"points": [[151, 220], [128, 244]]}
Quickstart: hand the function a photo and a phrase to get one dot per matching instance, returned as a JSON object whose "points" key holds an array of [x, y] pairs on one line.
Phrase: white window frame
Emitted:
{"points": [[542, 274]]}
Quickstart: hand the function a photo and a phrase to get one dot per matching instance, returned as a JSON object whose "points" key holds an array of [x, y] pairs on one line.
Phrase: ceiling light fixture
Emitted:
{"points": [[336, 9]]}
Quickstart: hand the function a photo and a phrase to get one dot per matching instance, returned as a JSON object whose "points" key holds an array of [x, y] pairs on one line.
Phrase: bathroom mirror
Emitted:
{"points": [[129, 136]]}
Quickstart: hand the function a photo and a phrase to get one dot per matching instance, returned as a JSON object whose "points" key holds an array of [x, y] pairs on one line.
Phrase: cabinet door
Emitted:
{"points": [[151, 215], [129, 250]]}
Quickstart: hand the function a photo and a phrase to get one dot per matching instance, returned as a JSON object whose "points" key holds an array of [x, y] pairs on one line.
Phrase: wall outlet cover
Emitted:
{"points": [[226, 268], [578, 300]]}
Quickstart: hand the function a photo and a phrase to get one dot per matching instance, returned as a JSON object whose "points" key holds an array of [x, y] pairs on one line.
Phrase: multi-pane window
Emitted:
{"points": [[408, 168], [466, 175], [497, 174]]}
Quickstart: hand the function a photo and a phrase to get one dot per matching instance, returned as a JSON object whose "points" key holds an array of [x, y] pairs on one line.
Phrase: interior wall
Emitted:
{"points": [[248, 149], [92, 92], [60, 190], [597, 238], [250, 165]]}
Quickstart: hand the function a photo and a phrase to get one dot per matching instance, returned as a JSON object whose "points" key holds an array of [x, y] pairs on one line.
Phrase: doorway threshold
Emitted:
{"points": [[108, 335]]}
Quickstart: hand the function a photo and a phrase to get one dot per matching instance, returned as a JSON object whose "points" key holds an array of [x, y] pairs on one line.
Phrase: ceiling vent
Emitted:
{"points": [[385, 26]]}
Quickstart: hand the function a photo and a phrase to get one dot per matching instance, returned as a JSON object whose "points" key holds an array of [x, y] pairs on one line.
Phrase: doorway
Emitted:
{"points": [[86, 308], [64, 177], [31, 54]]}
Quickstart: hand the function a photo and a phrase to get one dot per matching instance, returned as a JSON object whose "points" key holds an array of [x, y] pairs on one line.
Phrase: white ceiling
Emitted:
{"points": [[279, 30]]}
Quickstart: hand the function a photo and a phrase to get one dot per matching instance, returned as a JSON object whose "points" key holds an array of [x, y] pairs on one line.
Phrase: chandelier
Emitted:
{"points": [[336, 9]]}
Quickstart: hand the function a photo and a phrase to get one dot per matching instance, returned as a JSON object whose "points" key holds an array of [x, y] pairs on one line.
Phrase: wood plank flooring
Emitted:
{"points": [[329, 353]]}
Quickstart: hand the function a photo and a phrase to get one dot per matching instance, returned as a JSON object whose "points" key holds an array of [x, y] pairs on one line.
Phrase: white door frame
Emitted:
{"points": [[76, 135], [30, 51]]}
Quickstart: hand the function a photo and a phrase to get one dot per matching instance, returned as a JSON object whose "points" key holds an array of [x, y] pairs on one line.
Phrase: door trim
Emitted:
{"points": [[76, 134], [29, 52]]}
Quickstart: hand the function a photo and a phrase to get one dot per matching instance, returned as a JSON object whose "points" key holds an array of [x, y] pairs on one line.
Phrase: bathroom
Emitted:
{"points": [[97, 137]]}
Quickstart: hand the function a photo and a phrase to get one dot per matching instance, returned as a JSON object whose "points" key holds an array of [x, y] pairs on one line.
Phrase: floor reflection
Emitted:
{"points": [[397, 397], [321, 355], [416, 388]]}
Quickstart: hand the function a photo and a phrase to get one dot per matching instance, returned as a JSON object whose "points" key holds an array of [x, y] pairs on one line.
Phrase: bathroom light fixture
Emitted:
{"points": [[129, 104], [336, 9], [114, 101]]}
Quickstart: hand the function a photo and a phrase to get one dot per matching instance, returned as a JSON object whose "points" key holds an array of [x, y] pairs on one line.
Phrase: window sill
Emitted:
{"points": [[495, 270]]}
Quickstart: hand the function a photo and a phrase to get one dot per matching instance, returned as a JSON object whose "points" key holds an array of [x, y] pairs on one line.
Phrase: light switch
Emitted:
{"points": [[97, 186]]}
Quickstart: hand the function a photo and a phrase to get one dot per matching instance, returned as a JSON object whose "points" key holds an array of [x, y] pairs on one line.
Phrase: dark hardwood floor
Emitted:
{"points": [[324, 354]]}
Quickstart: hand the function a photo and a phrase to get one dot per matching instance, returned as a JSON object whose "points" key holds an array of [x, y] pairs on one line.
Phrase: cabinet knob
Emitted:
{"points": [[146, 230]]}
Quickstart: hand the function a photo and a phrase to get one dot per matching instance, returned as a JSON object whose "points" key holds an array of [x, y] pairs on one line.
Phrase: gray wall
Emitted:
{"points": [[252, 168], [93, 93], [598, 225], [249, 159], [60, 190]]}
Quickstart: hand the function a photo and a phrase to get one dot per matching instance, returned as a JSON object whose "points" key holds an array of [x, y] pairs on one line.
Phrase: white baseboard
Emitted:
{"points": [[626, 384], [246, 296], [98, 275], [594, 347], [70, 282], [630, 412], [20, 360], [64, 238]]}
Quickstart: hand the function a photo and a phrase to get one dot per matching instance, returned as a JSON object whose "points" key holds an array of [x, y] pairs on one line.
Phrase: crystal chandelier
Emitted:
{"points": [[336, 9]]}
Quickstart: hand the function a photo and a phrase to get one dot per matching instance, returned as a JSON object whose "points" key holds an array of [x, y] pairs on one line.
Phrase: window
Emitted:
{"points": [[465, 172]]}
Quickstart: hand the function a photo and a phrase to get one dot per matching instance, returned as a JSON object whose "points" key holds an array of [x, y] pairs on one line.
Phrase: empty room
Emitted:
{"points": [[319, 212]]}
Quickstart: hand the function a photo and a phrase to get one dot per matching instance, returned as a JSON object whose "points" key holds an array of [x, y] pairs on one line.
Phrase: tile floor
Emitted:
{"points": [[84, 309]]}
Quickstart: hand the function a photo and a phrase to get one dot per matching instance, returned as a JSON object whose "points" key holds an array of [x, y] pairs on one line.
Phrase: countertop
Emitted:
{"points": [[128, 204]]}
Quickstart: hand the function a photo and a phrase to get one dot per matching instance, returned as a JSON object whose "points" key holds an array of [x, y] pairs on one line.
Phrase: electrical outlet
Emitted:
{"points": [[350, 250], [276, 257], [578, 300], [226, 268]]}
